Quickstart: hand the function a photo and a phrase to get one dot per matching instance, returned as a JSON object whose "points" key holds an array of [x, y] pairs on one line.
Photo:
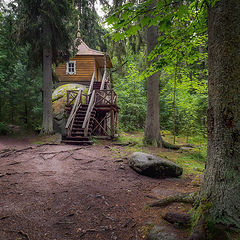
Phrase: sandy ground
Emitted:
{"points": [[64, 192]]}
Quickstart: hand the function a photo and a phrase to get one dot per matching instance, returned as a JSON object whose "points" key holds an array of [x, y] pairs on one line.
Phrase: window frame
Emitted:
{"points": [[68, 68]]}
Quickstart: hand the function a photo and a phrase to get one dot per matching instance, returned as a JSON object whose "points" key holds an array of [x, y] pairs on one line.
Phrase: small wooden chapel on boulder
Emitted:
{"points": [[94, 113]]}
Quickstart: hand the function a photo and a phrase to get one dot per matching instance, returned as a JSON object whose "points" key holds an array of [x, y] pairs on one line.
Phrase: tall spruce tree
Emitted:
{"points": [[152, 134], [219, 206], [92, 33], [45, 25]]}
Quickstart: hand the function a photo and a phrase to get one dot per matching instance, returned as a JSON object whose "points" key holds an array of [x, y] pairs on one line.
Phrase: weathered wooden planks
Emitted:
{"points": [[84, 69]]}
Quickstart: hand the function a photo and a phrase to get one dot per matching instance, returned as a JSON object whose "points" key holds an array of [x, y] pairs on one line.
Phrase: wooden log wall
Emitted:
{"points": [[98, 72], [84, 70]]}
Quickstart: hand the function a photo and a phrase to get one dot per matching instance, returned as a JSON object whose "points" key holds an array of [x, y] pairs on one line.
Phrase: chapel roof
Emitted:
{"points": [[84, 50]]}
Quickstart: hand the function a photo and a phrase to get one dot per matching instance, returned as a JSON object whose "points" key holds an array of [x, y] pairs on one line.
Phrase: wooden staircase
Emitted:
{"points": [[77, 134], [82, 118], [97, 85]]}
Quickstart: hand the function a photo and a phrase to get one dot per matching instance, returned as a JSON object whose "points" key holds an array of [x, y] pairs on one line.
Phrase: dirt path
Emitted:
{"points": [[63, 192]]}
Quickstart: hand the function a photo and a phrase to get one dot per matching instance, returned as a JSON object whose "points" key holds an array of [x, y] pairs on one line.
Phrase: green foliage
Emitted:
{"points": [[190, 101], [4, 129], [131, 97], [92, 32], [180, 53], [20, 92], [46, 24]]}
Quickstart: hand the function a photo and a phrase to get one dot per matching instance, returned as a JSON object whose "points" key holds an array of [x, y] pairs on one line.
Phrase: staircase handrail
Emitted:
{"points": [[103, 80], [76, 105], [88, 113], [91, 84]]}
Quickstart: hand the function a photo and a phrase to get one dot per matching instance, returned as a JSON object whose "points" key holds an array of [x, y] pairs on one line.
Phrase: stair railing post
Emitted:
{"points": [[74, 109], [105, 73], [88, 114], [112, 123], [103, 81], [91, 84]]}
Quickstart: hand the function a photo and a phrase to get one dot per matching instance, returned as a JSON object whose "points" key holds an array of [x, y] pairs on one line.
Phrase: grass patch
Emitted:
{"points": [[133, 138]]}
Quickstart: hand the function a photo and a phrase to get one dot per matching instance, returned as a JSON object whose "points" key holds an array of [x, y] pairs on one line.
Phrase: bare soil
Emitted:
{"points": [[65, 192]]}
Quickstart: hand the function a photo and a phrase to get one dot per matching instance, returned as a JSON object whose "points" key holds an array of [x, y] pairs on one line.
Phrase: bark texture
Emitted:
{"points": [[152, 134], [220, 191], [47, 121]]}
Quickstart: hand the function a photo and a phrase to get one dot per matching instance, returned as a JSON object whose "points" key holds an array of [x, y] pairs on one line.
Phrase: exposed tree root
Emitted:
{"points": [[199, 231], [24, 235], [179, 219], [170, 146], [66, 157], [206, 230], [183, 197], [122, 144], [51, 155], [100, 229], [57, 152], [8, 152], [47, 144]]}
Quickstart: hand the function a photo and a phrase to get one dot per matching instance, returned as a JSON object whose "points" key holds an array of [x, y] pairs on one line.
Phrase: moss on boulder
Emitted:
{"points": [[59, 99]]}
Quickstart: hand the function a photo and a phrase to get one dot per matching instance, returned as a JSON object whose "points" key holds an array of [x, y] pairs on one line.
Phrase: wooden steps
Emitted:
{"points": [[103, 108], [97, 85], [77, 134]]}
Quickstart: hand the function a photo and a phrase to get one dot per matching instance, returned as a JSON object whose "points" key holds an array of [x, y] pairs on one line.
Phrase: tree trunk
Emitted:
{"points": [[47, 121], [152, 134], [174, 103], [220, 191]]}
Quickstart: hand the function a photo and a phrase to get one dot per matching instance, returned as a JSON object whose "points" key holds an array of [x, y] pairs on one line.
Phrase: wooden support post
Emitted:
{"points": [[105, 124], [112, 123], [116, 124], [68, 98], [104, 75], [91, 84]]}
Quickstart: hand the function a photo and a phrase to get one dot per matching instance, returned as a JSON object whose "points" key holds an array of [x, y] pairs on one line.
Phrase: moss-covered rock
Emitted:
{"points": [[59, 98], [61, 91]]}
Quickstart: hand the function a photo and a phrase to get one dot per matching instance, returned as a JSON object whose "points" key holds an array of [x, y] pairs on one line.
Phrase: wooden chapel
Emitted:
{"points": [[95, 113]]}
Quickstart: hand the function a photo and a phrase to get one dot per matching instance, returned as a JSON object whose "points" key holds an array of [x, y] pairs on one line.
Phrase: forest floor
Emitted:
{"points": [[62, 192]]}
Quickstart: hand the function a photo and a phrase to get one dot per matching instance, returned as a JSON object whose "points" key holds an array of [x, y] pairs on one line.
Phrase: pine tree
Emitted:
{"points": [[45, 25]]}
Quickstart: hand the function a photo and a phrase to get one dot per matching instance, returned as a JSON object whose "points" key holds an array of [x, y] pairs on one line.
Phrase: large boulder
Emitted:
{"points": [[61, 91], [153, 166], [59, 98]]}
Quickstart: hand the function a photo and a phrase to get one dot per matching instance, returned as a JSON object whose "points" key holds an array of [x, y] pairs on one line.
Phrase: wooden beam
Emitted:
{"points": [[88, 113], [99, 125], [112, 123], [74, 109], [91, 84]]}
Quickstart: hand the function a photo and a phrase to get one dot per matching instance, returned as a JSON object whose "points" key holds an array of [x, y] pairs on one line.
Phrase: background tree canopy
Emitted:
{"points": [[181, 47]]}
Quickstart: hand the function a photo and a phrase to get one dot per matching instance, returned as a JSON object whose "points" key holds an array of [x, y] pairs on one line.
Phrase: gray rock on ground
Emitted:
{"points": [[59, 123], [160, 233], [153, 166]]}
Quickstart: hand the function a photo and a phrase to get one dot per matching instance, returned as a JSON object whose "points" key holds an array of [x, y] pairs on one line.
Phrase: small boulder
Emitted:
{"points": [[153, 166], [162, 233]]}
